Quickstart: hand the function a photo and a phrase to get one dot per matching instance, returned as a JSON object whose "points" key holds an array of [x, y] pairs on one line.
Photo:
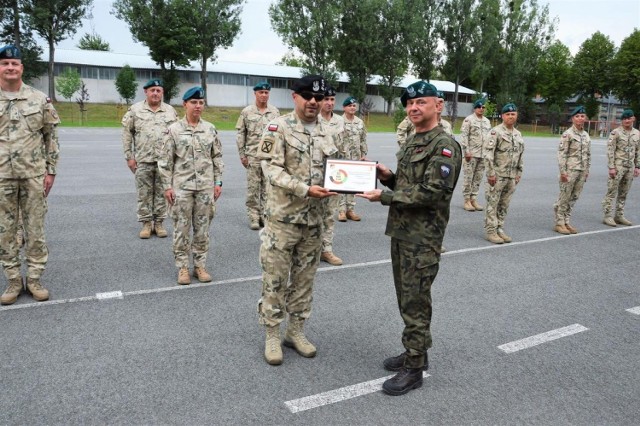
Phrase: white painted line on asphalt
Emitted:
{"points": [[635, 310], [528, 342], [109, 295], [47, 303], [337, 395]]}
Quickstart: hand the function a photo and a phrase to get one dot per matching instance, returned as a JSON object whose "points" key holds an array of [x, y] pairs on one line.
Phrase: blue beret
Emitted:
{"points": [[627, 113], [330, 91], [349, 101], [263, 85], [510, 107], [419, 89], [578, 110], [193, 93], [153, 83], [10, 52], [478, 103], [310, 83]]}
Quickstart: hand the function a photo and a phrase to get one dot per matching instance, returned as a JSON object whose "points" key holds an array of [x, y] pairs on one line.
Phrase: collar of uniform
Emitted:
{"points": [[426, 137], [22, 94], [160, 108], [196, 129]]}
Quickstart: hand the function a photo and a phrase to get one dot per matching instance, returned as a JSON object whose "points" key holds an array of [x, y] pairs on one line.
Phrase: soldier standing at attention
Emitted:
{"points": [[292, 150], [419, 199], [623, 160], [191, 168], [355, 141], [144, 126], [503, 161], [474, 133], [29, 153], [251, 123], [574, 161], [405, 127]]}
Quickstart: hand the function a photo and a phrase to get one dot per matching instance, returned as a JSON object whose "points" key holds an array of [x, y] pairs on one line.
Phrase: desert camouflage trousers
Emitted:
{"points": [[347, 202], [617, 190], [192, 210], [329, 223], [151, 203], [473, 172], [24, 196], [498, 199], [289, 255], [414, 269], [569, 194], [255, 190]]}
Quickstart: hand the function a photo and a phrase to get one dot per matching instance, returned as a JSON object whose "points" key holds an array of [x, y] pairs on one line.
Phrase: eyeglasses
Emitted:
{"points": [[308, 95]]}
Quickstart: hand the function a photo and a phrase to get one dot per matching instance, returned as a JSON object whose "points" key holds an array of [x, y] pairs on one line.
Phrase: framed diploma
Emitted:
{"points": [[349, 176]]}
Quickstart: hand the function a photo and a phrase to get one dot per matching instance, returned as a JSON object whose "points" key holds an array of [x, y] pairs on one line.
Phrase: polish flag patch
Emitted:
{"points": [[446, 152], [273, 127]]}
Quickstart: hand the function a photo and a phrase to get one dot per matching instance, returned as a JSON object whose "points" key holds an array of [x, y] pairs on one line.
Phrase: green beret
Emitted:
{"points": [[440, 94], [349, 101], [478, 103], [193, 93], [330, 91], [578, 110], [310, 83], [10, 52], [627, 113], [419, 89], [510, 107], [263, 85], [153, 83]]}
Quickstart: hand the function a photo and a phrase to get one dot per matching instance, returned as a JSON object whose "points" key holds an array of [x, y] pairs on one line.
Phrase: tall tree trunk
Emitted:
{"points": [[16, 23], [203, 77], [454, 108], [52, 84]]}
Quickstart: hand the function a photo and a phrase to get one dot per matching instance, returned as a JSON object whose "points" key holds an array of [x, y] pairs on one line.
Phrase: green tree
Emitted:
{"points": [[290, 59], [54, 21], [81, 100], [485, 41], [555, 74], [93, 41], [593, 65], [68, 83], [626, 71], [421, 36], [126, 84]]}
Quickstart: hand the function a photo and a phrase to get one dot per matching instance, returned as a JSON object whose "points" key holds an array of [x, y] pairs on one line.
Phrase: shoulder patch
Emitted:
{"points": [[613, 132], [48, 100], [564, 136], [267, 146], [493, 132], [445, 170], [446, 152], [272, 127]]}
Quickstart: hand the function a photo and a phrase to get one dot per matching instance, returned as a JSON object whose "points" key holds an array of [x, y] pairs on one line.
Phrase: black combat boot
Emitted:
{"points": [[406, 380], [395, 363]]}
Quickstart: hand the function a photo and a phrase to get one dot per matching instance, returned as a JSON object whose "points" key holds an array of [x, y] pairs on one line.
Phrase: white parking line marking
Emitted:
{"points": [[337, 395], [635, 310], [109, 295], [528, 342]]}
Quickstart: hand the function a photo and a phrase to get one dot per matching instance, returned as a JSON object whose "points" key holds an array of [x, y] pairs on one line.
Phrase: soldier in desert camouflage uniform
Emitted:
{"points": [[574, 161], [503, 161], [293, 149], [144, 127], [251, 123], [623, 161], [191, 169], [355, 148], [419, 199], [474, 133], [405, 128], [29, 153]]}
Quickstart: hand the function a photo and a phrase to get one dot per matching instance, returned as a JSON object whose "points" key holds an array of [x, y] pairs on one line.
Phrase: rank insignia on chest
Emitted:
{"points": [[445, 171], [446, 152], [266, 146], [272, 127]]}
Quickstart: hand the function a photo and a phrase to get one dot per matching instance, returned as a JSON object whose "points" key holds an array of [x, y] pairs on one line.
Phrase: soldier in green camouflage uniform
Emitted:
{"points": [[293, 149], [355, 148], [250, 125], [474, 133], [623, 161], [29, 153], [574, 161], [503, 161], [406, 128], [191, 170], [419, 200], [144, 127]]}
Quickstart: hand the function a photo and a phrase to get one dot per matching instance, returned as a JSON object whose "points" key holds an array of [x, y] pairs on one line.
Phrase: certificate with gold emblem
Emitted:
{"points": [[349, 176]]}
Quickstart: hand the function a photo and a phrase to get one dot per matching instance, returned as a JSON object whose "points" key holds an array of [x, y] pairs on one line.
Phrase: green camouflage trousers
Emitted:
{"points": [[347, 202], [498, 199], [192, 210], [473, 171], [289, 255], [569, 194], [617, 190], [255, 190], [329, 223], [25, 196], [151, 202], [414, 269]]}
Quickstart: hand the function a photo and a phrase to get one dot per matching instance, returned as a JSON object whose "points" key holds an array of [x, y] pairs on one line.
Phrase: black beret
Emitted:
{"points": [[578, 110], [330, 91], [310, 83]]}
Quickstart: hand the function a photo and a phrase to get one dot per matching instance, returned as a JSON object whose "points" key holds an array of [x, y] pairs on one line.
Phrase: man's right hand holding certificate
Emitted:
{"points": [[383, 174]]}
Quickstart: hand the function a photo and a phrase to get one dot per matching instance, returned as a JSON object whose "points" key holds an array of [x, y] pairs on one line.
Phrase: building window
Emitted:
{"points": [[89, 72], [233, 79], [108, 73]]}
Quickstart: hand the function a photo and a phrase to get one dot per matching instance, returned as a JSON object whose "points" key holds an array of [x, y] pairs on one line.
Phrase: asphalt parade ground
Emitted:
{"points": [[544, 330]]}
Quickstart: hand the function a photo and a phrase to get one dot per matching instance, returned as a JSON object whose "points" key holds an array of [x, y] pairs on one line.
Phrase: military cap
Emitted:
{"points": [[419, 89], [196, 92], [310, 83], [578, 110], [349, 101], [478, 103], [330, 91], [510, 107], [10, 52], [263, 85], [440, 94], [154, 82], [627, 113]]}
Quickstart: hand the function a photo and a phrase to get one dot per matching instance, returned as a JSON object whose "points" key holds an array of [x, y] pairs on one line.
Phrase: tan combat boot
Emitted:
{"points": [[38, 292], [183, 276], [561, 229], [476, 206], [295, 338], [351, 215], [145, 232], [494, 238], [342, 217], [468, 206], [570, 228], [609, 221], [201, 274], [159, 229], [621, 220], [505, 237], [272, 348], [12, 292], [330, 258]]}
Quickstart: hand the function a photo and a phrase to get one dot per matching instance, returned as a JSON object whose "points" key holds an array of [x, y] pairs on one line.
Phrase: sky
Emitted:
{"points": [[258, 43]]}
